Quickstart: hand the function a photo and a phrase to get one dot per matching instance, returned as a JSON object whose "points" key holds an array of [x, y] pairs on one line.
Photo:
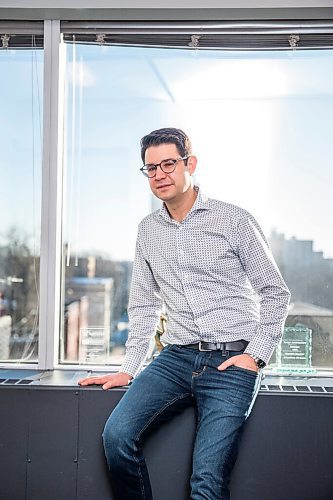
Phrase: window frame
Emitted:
{"points": [[25, 30], [52, 189]]}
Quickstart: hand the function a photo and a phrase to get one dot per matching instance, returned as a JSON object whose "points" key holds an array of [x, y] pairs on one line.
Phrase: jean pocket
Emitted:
{"points": [[247, 371], [238, 386]]}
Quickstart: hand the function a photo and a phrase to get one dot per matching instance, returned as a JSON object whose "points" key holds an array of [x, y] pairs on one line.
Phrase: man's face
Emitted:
{"points": [[169, 187]]}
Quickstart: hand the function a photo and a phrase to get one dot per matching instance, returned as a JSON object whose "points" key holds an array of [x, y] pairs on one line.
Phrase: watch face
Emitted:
{"points": [[260, 363]]}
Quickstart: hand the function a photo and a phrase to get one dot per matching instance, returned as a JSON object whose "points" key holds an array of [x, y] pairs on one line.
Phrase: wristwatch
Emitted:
{"points": [[259, 362]]}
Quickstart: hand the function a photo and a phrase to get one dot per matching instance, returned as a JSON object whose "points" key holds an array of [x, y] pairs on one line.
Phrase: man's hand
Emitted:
{"points": [[242, 360], [108, 381]]}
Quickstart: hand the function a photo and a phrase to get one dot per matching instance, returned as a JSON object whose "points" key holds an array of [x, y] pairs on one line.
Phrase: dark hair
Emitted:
{"points": [[167, 136]]}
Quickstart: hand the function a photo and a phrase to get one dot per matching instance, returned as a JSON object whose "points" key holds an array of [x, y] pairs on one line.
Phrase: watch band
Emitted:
{"points": [[259, 362]]}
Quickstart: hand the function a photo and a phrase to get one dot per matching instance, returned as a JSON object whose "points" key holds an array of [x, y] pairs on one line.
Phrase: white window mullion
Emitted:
{"points": [[51, 200]]}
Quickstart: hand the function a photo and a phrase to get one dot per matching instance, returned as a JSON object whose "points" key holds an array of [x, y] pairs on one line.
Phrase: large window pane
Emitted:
{"points": [[260, 124], [20, 200]]}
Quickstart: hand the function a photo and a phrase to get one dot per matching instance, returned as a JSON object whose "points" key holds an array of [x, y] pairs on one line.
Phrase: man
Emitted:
{"points": [[209, 262]]}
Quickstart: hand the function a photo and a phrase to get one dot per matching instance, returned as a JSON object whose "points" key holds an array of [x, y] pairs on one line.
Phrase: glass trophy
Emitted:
{"points": [[294, 353], [93, 345]]}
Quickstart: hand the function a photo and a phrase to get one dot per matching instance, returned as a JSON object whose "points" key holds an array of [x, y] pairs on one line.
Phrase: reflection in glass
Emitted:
{"points": [[20, 201], [259, 125]]}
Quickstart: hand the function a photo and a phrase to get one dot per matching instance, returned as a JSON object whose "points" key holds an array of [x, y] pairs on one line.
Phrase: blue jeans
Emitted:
{"points": [[177, 378]]}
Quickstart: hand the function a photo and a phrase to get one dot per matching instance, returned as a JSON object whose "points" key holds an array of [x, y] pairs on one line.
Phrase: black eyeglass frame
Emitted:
{"points": [[153, 166]]}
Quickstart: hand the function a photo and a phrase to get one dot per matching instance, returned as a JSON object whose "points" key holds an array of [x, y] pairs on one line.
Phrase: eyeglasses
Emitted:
{"points": [[167, 166]]}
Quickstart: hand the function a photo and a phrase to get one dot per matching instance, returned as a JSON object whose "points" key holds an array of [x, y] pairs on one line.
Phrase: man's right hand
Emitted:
{"points": [[107, 381]]}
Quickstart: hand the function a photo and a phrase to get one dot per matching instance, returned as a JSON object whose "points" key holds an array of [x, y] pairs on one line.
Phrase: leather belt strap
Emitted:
{"points": [[237, 345]]}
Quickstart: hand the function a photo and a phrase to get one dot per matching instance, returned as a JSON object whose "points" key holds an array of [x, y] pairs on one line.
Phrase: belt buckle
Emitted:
{"points": [[201, 348]]}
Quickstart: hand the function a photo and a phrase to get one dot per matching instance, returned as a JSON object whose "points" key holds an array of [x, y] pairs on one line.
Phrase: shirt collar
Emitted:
{"points": [[201, 203]]}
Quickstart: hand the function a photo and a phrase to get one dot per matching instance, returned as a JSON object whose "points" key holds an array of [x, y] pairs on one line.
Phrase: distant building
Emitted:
{"points": [[293, 252]]}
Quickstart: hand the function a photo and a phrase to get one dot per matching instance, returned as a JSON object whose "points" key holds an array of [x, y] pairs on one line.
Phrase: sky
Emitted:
{"points": [[260, 125]]}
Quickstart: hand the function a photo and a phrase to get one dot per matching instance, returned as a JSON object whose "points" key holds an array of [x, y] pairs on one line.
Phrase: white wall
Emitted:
{"points": [[152, 10], [177, 4]]}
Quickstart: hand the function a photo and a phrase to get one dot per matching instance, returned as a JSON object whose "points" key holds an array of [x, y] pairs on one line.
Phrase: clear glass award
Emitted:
{"points": [[93, 345], [294, 353]]}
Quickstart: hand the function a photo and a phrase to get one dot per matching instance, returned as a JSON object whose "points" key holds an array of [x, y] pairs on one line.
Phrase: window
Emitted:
{"points": [[260, 126], [21, 67], [256, 100], [105, 198]]}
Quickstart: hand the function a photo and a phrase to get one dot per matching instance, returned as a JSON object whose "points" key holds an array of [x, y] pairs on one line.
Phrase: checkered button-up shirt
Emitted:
{"points": [[216, 276]]}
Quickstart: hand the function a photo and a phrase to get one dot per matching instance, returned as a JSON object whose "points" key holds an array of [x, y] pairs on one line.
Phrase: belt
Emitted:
{"points": [[237, 345]]}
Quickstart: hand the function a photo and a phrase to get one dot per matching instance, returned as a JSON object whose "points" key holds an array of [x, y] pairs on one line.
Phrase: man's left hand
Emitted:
{"points": [[242, 360]]}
